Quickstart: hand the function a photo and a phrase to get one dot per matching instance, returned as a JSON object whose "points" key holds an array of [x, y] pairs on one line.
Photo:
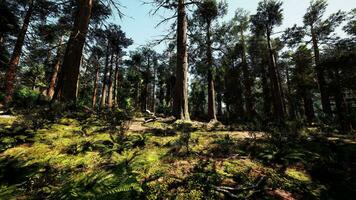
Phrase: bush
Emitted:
{"points": [[25, 97]]}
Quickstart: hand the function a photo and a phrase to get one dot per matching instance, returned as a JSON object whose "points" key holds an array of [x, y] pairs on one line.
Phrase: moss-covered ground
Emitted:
{"points": [[81, 156]]}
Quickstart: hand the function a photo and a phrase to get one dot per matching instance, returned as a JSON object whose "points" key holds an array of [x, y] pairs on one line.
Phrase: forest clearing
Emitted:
{"points": [[177, 99]]}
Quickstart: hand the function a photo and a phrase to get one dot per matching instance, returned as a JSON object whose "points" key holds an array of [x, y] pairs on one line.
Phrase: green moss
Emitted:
{"points": [[68, 121], [6, 120], [298, 175]]}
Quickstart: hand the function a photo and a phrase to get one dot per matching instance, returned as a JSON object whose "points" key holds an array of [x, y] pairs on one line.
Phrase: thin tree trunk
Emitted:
{"points": [[180, 103], [308, 105], [341, 105], [96, 83], [15, 57], [239, 102], [154, 89], [53, 79], [248, 82], [211, 82], [111, 85], [116, 81], [325, 97], [266, 94], [69, 76], [291, 100], [280, 84], [219, 100], [276, 93], [105, 80]]}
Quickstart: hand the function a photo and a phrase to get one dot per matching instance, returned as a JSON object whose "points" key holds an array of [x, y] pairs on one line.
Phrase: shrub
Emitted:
{"points": [[25, 97]]}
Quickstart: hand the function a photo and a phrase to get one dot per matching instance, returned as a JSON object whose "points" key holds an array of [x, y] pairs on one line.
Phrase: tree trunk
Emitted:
{"points": [[96, 83], [248, 82], [154, 89], [276, 93], [219, 100], [53, 79], [116, 81], [325, 97], [266, 94], [69, 75], [180, 103], [308, 105], [105, 80], [341, 105], [211, 82], [291, 100], [111, 84], [15, 57], [239, 111]]}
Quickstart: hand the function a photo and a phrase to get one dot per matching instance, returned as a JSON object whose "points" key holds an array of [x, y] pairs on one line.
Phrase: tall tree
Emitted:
{"points": [[68, 81], [269, 14], [15, 57], [180, 100], [207, 12], [319, 30], [35, 8], [304, 80], [240, 25]]}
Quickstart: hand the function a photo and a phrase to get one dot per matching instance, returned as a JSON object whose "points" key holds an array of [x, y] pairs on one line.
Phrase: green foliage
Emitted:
{"points": [[26, 98], [86, 158]]}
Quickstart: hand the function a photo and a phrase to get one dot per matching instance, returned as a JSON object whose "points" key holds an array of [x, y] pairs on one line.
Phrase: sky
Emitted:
{"points": [[141, 26]]}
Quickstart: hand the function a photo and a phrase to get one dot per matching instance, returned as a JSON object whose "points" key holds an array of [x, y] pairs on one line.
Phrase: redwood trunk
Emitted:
{"points": [[52, 83], [15, 58], [72, 57], [180, 103]]}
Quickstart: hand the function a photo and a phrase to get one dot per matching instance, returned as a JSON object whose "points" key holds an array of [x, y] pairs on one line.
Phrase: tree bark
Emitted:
{"points": [[53, 79], [211, 82], [308, 106], [154, 89], [325, 97], [276, 93], [96, 83], [341, 105], [266, 94], [111, 84], [248, 82], [72, 58], [116, 81], [219, 100], [291, 100], [180, 103], [105, 80], [15, 57]]}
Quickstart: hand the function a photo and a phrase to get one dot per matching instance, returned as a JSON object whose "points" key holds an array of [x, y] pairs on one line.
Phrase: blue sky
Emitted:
{"points": [[140, 25]]}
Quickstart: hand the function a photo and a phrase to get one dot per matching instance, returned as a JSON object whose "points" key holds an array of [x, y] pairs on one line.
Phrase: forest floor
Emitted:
{"points": [[82, 156]]}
